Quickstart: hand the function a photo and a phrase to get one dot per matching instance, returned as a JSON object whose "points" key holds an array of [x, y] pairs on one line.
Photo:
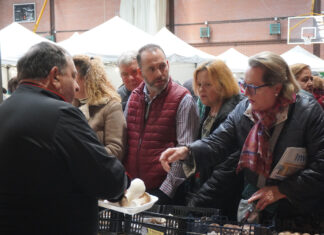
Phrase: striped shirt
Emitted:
{"points": [[187, 131]]}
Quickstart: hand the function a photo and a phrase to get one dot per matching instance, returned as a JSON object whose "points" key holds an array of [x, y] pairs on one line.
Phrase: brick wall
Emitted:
{"points": [[233, 23]]}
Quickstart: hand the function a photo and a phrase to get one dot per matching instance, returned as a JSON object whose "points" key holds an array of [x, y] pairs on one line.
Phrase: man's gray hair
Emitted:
{"points": [[126, 58], [40, 59]]}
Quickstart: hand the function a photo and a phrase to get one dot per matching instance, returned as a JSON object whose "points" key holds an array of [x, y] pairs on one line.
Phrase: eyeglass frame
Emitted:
{"points": [[250, 86]]}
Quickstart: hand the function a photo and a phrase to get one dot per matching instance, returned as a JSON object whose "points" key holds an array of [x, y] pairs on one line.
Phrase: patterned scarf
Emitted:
{"points": [[256, 154]]}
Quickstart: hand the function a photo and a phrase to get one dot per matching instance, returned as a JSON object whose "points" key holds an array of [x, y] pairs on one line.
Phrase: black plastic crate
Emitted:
{"points": [[175, 220], [171, 220], [179, 220], [110, 222], [221, 226]]}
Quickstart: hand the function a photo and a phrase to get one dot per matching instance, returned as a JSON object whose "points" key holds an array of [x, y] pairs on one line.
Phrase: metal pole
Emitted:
{"points": [[171, 15], [316, 46], [52, 19], [1, 92]]}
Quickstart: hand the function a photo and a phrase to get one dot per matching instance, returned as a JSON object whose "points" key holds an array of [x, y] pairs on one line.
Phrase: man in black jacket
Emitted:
{"points": [[52, 167]]}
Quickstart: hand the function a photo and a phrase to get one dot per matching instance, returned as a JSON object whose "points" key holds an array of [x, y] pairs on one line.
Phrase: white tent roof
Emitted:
{"points": [[178, 50], [235, 60], [15, 40], [300, 55], [70, 44], [109, 40]]}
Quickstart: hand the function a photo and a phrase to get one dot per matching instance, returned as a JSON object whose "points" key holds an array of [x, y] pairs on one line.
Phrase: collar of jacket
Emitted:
{"points": [[281, 116], [85, 107], [35, 84]]}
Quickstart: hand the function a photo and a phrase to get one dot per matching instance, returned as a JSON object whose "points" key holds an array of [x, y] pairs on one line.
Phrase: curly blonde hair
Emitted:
{"points": [[97, 84]]}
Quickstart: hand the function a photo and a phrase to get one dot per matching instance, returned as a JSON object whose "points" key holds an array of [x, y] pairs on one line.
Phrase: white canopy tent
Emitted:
{"points": [[108, 40], [300, 55], [182, 57], [15, 40], [235, 60], [71, 44], [178, 50]]}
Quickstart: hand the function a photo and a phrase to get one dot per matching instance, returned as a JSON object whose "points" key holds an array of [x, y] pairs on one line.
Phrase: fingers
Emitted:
{"points": [[257, 195], [165, 165], [171, 155], [166, 154], [266, 196], [164, 159]]}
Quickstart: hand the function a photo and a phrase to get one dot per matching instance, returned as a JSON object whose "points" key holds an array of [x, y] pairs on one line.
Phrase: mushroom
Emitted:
{"points": [[135, 191]]}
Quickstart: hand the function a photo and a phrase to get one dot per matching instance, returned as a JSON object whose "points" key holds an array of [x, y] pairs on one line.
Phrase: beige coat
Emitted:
{"points": [[108, 121]]}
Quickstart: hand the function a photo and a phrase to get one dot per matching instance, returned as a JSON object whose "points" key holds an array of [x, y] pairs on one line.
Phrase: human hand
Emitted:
{"points": [[266, 196], [171, 155]]}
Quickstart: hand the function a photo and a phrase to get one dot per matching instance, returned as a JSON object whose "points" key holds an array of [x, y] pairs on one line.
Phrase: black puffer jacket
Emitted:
{"points": [[303, 128], [205, 171]]}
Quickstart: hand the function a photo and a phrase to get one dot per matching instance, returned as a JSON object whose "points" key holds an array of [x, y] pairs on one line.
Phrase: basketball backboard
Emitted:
{"points": [[305, 29]]}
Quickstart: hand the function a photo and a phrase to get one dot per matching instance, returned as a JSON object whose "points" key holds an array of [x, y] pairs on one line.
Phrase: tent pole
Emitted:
{"points": [[1, 91]]}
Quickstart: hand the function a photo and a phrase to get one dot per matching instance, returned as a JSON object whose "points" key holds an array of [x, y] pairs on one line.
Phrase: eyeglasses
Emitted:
{"points": [[251, 89]]}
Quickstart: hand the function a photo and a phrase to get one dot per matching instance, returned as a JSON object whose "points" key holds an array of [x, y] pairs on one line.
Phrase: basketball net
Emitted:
{"points": [[307, 40]]}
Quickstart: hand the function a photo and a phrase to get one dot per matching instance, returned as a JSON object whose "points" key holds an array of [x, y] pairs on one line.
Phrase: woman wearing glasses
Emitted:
{"points": [[100, 104], [279, 134]]}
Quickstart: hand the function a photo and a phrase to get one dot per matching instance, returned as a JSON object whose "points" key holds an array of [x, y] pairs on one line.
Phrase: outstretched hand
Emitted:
{"points": [[171, 155], [266, 196]]}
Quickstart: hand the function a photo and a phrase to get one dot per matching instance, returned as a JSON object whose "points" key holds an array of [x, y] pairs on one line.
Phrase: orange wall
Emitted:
{"points": [[190, 15]]}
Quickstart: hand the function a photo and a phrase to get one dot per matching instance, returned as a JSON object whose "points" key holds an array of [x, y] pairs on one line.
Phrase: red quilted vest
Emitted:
{"points": [[146, 141]]}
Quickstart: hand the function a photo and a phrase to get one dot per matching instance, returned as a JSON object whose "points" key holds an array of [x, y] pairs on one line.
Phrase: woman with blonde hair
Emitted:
{"points": [[303, 75], [219, 91], [100, 103]]}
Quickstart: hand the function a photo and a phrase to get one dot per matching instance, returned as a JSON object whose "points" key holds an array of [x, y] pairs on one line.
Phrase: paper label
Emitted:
{"points": [[292, 160], [153, 232]]}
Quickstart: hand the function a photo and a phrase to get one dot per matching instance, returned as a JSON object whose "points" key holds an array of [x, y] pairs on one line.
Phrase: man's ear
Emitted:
{"points": [[54, 78]]}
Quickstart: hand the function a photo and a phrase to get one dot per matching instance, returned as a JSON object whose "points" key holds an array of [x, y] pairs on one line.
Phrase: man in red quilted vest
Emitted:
{"points": [[160, 114]]}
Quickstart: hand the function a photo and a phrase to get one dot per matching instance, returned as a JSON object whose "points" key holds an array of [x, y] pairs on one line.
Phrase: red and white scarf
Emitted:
{"points": [[256, 154]]}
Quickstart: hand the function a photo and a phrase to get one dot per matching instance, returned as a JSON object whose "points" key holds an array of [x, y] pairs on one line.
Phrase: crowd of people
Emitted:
{"points": [[68, 137]]}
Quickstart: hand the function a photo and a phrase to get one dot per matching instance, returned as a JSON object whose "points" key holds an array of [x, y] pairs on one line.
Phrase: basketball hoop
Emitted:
{"points": [[308, 34], [307, 40]]}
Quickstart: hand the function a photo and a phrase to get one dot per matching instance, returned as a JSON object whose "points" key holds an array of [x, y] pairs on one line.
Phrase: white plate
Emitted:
{"points": [[128, 210]]}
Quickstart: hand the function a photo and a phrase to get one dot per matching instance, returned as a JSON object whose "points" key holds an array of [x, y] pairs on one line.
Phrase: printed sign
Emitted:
{"points": [[293, 160]]}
